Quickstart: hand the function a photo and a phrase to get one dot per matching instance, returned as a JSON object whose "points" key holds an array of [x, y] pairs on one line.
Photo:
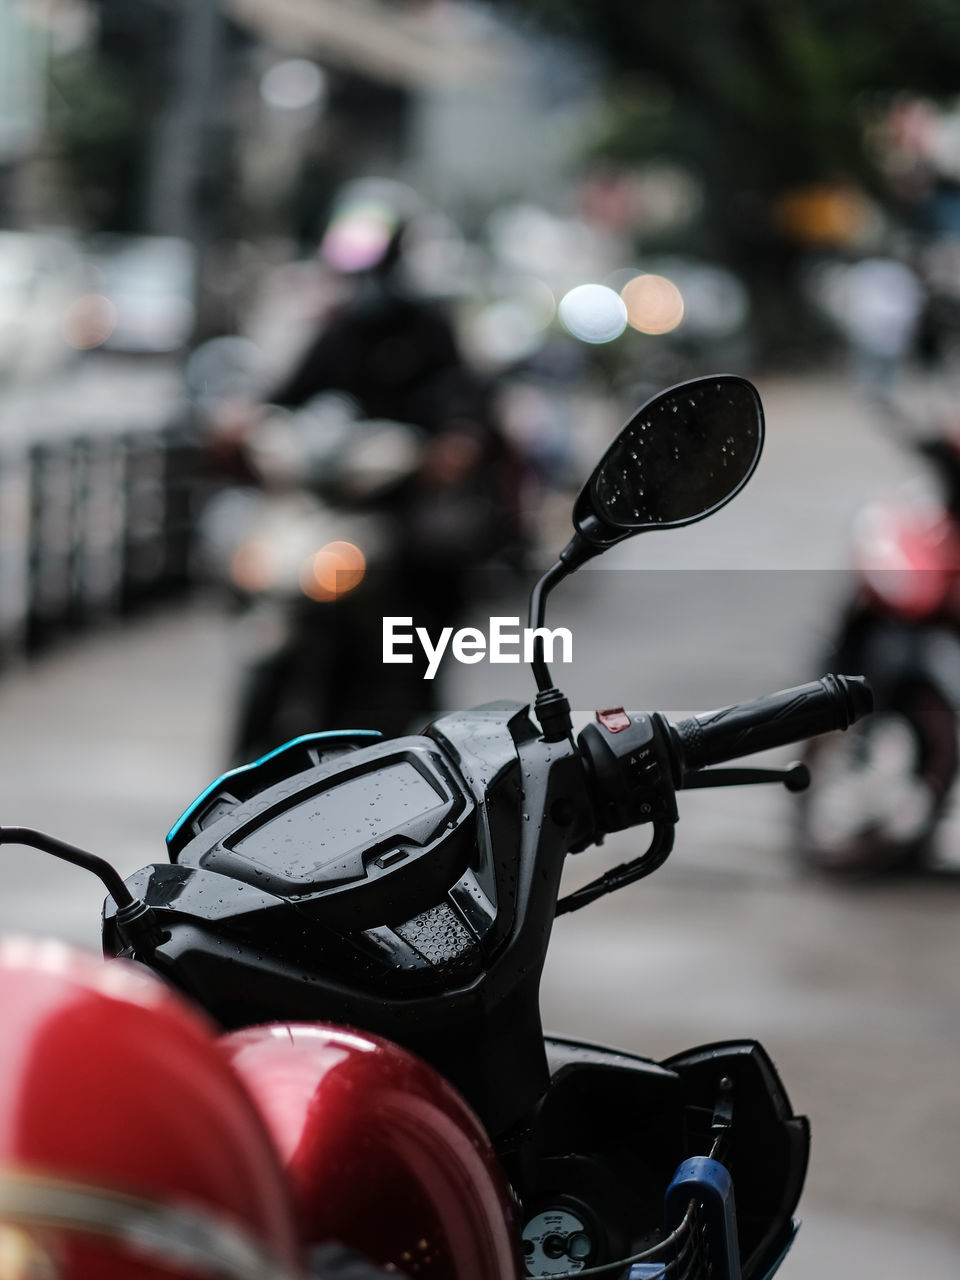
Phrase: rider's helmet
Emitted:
{"points": [[129, 1149], [368, 222], [382, 1153]]}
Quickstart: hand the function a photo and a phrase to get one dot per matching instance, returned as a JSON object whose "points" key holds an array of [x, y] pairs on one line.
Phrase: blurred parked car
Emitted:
{"points": [[145, 286], [41, 275]]}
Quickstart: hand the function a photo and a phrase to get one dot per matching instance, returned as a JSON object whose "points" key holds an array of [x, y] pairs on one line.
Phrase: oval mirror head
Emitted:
{"points": [[682, 456]]}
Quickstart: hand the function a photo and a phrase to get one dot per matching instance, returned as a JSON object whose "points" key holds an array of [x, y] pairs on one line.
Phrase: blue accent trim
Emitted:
{"points": [[247, 768]]}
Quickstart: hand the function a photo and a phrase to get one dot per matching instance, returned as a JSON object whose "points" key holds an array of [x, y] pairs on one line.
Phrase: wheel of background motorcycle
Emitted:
{"points": [[866, 853]]}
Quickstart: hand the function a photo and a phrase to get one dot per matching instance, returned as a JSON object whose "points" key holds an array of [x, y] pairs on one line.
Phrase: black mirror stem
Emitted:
{"points": [[538, 608], [551, 707], [580, 549], [553, 712]]}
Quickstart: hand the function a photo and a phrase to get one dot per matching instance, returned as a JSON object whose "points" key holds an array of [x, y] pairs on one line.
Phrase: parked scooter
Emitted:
{"points": [[879, 795], [408, 887]]}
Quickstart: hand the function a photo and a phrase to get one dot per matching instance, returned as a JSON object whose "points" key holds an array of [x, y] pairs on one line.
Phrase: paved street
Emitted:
{"points": [[855, 992]]}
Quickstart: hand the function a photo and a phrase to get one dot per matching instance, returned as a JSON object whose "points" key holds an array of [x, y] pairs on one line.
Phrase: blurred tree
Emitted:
{"points": [[763, 99], [96, 126], [103, 101]]}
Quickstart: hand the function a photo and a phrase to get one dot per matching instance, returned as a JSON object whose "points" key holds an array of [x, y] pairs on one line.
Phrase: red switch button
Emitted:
{"points": [[614, 719]]}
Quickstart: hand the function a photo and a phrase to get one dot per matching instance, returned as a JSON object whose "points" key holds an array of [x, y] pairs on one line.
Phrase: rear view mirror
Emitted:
{"points": [[684, 455]]}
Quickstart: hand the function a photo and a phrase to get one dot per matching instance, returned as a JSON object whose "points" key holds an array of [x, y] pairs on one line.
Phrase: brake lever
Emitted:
{"points": [[661, 846], [796, 777]]}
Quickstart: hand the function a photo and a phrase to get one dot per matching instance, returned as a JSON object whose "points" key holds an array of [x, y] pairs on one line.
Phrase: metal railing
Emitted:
{"points": [[93, 526]]}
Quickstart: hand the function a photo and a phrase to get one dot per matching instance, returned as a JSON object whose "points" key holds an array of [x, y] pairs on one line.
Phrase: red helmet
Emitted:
{"points": [[129, 1150], [383, 1154]]}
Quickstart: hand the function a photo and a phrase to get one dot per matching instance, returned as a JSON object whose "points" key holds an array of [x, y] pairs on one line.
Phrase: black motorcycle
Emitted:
{"points": [[408, 887]]}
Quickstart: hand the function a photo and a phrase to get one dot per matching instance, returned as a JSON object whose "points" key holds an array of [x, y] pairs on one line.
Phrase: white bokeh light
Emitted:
{"points": [[593, 313], [293, 85]]}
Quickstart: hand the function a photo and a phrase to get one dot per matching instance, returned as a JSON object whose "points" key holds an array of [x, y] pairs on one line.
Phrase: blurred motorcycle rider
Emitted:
{"points": [[395, 356]]}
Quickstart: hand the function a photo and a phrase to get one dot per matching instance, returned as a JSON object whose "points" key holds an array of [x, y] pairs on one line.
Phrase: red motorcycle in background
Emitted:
{"points": [[879, 795]]}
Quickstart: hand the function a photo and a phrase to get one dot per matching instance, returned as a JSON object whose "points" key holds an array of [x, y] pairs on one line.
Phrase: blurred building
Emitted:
{"points": [[161, 113], [469, 109], [21, 101], [30, 32], [230, 125]]}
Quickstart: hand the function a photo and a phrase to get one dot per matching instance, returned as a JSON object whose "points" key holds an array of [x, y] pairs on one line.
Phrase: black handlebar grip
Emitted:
{"points": [[834, 702]]}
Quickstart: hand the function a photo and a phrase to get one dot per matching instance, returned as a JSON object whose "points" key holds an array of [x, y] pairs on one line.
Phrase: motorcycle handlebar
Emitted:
{"points": [[635, 763], [833, 702]]}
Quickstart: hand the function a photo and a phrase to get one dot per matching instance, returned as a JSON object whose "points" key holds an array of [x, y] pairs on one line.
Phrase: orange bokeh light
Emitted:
{"points": [[89, 321], [654, 304], [333, 571], [251, 566]]}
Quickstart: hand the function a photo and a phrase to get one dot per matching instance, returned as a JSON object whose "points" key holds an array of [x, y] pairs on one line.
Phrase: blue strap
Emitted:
{"points": [[708, 1183]]}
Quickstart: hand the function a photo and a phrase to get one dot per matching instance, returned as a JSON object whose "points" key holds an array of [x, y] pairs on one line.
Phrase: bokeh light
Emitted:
{"points": [[335, 569], [513, 326], [293, 85], [89, 321], [593, 313], [251, 566], [357, 238], [653, 304]]}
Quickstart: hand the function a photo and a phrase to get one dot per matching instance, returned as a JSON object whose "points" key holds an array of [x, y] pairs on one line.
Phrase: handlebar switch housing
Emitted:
{"points": [[628, 767]]}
